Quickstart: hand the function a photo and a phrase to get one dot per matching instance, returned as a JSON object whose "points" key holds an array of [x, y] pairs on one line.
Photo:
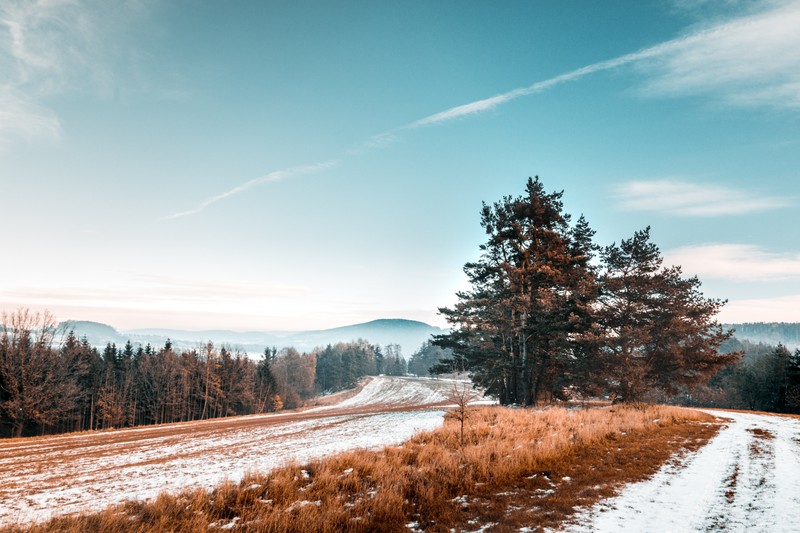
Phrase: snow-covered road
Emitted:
{"points": [[746, 479]]}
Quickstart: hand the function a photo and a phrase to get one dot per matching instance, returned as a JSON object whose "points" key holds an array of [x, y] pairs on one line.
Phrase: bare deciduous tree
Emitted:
{"points": [[34, 386], [461, 393]]}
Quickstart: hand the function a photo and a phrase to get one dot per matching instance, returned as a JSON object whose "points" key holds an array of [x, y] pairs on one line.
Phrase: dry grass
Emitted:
{"points": [[516, 467]]}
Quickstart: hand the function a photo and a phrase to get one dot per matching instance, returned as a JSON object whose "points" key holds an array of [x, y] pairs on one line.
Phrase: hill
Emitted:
{"points": [[786, 333], [96, 333], [409, 334]]}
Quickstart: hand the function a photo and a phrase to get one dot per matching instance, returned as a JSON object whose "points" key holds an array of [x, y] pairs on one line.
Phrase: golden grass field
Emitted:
{"points": [[516, 468]]}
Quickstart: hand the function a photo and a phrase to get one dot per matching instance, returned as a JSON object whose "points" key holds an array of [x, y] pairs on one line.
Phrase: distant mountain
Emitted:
{"points": [[409, 334], [96, 333], [786, 333], [237, 337]]}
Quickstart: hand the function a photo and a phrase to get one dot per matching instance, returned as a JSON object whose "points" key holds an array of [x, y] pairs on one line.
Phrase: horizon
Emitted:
{"points": [[133, 330], [265, 167], [343, 326]]}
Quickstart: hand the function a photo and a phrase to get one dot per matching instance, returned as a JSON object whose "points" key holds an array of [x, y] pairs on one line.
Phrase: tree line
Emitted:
{"points": [[773, 333], [767, 378], [50, 384], [551, 313]]}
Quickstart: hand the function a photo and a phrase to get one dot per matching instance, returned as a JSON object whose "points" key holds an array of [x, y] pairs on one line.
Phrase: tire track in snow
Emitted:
{"points": [[747, 478]]}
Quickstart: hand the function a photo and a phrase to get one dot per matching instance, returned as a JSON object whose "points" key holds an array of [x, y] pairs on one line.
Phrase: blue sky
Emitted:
{"points": [[298, 165]]}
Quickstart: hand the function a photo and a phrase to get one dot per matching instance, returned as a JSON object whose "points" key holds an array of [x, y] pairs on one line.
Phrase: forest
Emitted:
{"points": [[773, 333], [53, 382], [767, 378]]}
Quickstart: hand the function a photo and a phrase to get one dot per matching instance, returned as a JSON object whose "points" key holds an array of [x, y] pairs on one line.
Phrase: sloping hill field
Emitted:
{"points": [[49, 476], [614, 469]]}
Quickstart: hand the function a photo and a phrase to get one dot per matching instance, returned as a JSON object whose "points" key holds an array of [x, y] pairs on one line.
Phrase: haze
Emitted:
{"points": [[306, 165]]}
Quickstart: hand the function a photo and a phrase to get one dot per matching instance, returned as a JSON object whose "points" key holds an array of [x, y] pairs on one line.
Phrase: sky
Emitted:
{"points": [[292, 165]]}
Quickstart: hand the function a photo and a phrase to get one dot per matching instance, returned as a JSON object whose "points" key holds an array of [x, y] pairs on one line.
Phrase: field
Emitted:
{"points": [[51, 476], [640, 469]]}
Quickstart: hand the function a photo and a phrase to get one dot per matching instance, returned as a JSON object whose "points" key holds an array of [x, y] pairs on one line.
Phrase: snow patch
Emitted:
{"points": [[50, 476], [742, 480]]}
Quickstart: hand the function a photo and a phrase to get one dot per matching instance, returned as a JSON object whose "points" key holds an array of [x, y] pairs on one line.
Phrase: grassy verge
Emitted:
{"points": [[515, 468]]}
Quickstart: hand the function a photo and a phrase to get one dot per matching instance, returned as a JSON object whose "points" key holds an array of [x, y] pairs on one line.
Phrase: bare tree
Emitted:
{"points": [[35, 388], [460, 394]]}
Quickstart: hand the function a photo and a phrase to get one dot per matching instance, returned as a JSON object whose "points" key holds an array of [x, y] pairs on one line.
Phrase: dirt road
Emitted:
{"points": [[48, 476], [746, 479]]}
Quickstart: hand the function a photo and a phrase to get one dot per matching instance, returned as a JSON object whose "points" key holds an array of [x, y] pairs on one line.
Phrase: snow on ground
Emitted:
{"points": [[48, 476], [407, 391], [746, 479]]}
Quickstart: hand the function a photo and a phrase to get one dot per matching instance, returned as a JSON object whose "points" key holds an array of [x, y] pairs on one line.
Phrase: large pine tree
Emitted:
{"points": [[660, 331], [541, 316], [517, 328]]}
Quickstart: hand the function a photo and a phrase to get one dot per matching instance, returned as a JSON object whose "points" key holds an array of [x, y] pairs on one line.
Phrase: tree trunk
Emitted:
{"points": [[16, 429]]}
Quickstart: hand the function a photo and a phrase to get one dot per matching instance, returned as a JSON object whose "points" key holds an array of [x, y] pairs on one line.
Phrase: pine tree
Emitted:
{"points": [[427, 357], [265, 380], [660, 331], [530, 301]]}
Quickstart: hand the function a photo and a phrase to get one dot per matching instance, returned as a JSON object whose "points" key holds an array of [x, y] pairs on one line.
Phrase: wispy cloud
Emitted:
{"points": [[140, 292], [678, 197], [39, 43], [748, 60], [277, 175], [376, 142], [736, 262], [22, 118], [751, 59], [49, 47]]}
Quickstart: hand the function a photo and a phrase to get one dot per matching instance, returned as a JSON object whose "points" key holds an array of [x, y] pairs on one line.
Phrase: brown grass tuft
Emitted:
{"points": [[515, 467]]}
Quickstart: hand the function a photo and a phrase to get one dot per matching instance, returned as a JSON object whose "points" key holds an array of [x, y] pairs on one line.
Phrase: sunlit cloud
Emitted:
{"points": [[678, 197], [278, 175], [736, 262], [128, 301], [780, 309], [138, 294]]}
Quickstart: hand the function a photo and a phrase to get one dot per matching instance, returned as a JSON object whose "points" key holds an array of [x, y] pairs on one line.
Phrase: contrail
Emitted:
{"points": [[486, 104], [383, 140], [277, 175]]}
